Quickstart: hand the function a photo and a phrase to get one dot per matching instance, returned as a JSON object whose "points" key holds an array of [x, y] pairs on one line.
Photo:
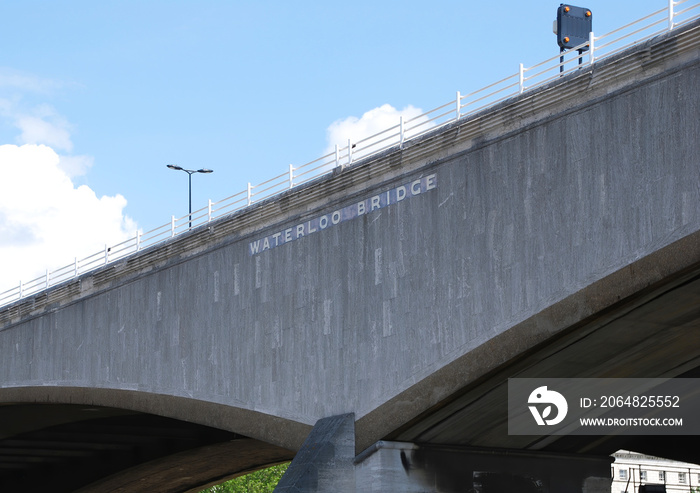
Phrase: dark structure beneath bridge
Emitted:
{"points": [[95, 449]]}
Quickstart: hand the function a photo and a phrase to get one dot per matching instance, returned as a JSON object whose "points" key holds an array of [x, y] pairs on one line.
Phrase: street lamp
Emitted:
{"points": [[190, 172]]}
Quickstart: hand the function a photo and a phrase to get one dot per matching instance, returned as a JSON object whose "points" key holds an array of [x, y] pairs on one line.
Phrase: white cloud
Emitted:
{"points": [[45, 221], [38, 123], [373, 122], [44, 126], [75, 165]]}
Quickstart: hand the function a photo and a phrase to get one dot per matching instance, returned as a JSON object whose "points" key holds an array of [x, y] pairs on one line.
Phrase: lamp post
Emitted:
{"points": [[190, 172]]}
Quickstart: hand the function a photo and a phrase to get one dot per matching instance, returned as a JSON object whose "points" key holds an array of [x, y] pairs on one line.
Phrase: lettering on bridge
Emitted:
{"points": [[352, 211]]}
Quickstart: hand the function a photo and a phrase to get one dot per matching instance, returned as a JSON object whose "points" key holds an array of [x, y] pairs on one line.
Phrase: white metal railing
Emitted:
{"points": [[675, 14]]}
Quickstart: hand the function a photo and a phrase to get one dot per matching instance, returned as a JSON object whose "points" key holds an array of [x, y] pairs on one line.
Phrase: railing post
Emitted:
{"points": [[250, 193], [21, 290], [671, 5], [209, 211], [458, 109], [106, 254], [138, 240], [349, 152], [521, 79], [172, 226], [75, 271], [47, 279], [291, 176], [401, 134], [337, 156], [591, 48]]}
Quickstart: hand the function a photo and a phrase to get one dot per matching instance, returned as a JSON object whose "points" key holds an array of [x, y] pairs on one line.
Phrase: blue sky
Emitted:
{"points": [[119, 89]]}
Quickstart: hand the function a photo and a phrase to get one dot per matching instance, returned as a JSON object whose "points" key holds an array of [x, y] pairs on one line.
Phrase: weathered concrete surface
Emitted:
{"points": [[532, 203]]}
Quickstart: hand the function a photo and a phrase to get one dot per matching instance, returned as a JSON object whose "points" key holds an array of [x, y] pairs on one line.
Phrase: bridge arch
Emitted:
{"points": [[265, 428], [98, 440]]}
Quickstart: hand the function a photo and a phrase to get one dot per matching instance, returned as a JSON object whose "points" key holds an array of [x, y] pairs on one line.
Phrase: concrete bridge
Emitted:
{"points": [[367, 322]]}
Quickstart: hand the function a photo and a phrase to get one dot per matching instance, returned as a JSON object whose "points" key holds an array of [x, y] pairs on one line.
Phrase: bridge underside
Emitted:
{"points": [[98, 449]]}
